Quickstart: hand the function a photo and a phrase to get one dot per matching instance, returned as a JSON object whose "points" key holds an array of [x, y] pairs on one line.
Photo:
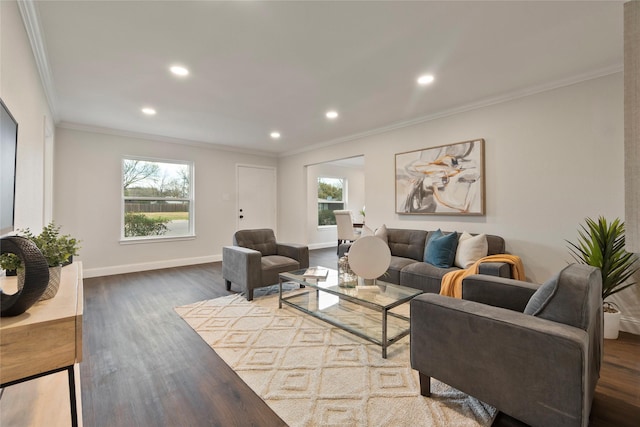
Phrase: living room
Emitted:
{"points": [[554, 155]]}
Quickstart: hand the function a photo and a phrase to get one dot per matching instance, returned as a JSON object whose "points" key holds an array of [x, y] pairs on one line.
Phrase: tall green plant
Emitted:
{"points": [[601, 244]]}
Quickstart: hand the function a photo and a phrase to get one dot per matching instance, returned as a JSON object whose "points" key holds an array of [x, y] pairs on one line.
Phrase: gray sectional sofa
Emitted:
{"points": [[407, 267]]}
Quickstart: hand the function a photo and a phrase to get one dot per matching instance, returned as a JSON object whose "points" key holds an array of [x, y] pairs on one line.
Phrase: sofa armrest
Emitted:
{"points": [[531, 368], [293, 250], [242, 266], [498, 291], [499, 269]]}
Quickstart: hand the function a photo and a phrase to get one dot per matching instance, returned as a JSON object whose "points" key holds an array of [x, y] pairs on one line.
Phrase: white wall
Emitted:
{"points": [[319, 237], [88, 200], [552, 159], [22, 92]]}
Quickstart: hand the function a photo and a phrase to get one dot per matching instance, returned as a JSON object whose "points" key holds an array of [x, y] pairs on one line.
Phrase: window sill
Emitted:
{"points": [[155, 239]]}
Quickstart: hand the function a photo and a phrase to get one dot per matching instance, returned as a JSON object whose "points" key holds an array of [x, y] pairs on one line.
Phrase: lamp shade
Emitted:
{"points": [[369, 257]]}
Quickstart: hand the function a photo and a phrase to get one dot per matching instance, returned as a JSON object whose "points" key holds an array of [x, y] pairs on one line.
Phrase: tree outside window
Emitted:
{"points": [[330, 198], [157, 198]]}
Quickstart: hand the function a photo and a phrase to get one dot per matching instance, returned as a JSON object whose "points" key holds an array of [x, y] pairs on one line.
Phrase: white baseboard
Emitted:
{"points": [[322, 245], [146, 266], [630, 324], [156, 265]]}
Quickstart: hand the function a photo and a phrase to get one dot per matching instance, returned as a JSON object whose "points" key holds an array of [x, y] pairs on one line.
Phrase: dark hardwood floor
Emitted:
{"points": [[143, 366]]}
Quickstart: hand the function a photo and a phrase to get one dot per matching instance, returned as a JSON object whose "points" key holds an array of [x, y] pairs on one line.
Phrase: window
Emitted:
{"points": [[157, 198], [330, 198]]}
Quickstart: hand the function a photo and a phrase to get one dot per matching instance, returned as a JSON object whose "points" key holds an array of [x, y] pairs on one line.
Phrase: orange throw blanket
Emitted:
{"points": [[451, 285]]}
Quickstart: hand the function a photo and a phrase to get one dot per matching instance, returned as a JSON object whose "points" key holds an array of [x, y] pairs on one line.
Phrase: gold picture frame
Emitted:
{"points": [[443, 180]]}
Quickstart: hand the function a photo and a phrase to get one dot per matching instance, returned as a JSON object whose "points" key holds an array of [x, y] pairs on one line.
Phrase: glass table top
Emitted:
{"points": [[382, 294]]}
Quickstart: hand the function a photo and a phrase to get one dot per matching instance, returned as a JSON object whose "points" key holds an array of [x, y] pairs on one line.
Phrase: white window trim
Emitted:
{"points": [[192, 201]]}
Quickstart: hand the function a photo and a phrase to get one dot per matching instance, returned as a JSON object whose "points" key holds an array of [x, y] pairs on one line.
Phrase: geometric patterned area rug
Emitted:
{"points": [[311, 373]]}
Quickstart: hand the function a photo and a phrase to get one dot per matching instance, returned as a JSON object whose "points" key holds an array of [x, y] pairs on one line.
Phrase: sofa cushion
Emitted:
{"points": [[440, 250], [262, 240], [542, 296], [495, 245], [470, 249], [273, 265], [381, 232], [366, 231], [423, 276], [395, 266], [565, 297], [407, 243]]}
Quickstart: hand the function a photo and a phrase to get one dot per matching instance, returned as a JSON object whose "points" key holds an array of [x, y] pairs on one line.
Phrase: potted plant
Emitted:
{"points": [[601, 244], [10, 263], [56, 248]]}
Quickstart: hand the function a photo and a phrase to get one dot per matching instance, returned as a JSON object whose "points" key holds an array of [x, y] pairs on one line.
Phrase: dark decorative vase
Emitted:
{"points": [[36, 277]]}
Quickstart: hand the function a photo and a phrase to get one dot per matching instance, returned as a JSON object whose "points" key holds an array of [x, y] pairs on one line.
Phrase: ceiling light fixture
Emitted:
{"points": [[179, 70], [332, 114], [149, 111], [275, 135], [425, 79]]}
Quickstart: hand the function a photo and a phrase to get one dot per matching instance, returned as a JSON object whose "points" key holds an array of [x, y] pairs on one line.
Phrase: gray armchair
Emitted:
{"points": [[537, 360], [256, 259]]}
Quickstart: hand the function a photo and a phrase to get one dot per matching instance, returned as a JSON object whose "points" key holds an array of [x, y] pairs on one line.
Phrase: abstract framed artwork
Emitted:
{"points": [[443, 180]]}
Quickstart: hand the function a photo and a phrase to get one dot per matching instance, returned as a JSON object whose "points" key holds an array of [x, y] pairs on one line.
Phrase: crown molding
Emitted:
{"points": [[31, 22], [160, 138], [29, 13], [509, 96]]}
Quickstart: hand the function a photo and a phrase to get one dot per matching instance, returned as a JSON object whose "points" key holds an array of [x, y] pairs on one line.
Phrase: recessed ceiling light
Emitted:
{"points": [[179, 70], [149, 111], [275, 135], [425, 80], [332, 114]]}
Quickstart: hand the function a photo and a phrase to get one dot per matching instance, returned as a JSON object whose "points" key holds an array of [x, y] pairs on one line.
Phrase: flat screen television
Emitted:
{"points": [[8, 146]]}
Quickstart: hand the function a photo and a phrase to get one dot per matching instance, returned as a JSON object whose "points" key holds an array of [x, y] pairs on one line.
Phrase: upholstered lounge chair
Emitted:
{"points": [[537, 361], [256, 259]]}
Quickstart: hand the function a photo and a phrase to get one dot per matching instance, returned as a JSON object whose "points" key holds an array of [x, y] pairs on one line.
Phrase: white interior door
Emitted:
{"points": [[256, 197]]}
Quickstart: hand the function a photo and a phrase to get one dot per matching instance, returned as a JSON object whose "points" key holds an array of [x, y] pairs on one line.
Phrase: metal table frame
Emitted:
{"points": [[72, 388], [384, 310]]}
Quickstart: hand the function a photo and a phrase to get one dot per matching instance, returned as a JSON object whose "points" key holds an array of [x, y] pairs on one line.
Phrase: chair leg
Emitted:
{"points": [[228, 285], [249, 294], [425, 385]]}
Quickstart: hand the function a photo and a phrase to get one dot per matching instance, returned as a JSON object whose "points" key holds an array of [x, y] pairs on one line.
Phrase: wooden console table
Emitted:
{"points": [[47, 338]]}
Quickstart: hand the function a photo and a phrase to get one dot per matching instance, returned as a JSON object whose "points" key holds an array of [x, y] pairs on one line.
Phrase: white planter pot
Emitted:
{"points": [[611, 325]]}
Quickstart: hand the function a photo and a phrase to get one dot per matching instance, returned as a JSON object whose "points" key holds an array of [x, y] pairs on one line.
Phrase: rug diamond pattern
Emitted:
{"points": [[313, 374]]}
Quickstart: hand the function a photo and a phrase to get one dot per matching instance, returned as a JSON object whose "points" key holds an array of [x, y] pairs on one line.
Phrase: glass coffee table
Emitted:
{"points": [[364, 311]]}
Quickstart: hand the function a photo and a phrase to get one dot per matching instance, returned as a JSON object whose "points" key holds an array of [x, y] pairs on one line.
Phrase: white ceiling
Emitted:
{"points": [[263, 66]]}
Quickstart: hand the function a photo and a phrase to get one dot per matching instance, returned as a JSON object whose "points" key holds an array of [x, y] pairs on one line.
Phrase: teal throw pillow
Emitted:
{"points": [[441, 249]]}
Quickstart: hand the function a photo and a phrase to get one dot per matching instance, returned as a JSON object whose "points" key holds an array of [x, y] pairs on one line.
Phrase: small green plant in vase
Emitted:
{"points": [[56, 249], [601, 244]]}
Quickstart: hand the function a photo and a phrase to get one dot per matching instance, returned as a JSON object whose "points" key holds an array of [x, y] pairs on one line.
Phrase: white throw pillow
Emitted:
{"points": [[381, 232], [366, 231], [470, 249]]}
